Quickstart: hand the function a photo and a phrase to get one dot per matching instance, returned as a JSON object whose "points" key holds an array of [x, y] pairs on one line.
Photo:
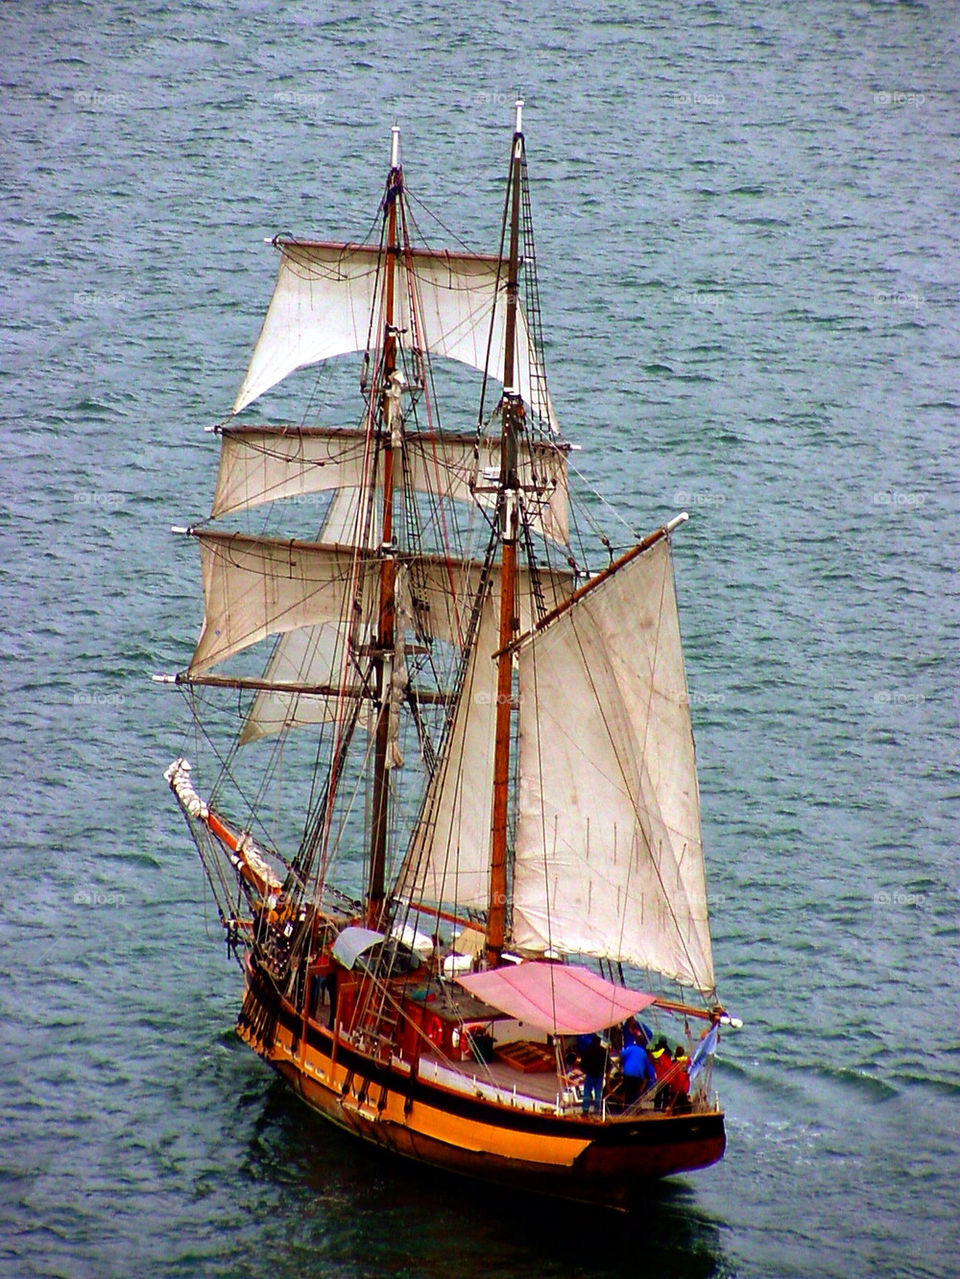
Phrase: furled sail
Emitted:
{"points": [[271, 463], [325, 296], [609, 858]]}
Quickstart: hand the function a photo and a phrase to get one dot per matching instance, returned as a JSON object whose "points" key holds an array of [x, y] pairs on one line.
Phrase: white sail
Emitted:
{"points": [[312, 655], [341, 524], [450, 856], [465, 467], [443, 591], [258, 586], [271, 463], [325, 303], [254, 587], [449, 859], [309, 655], [609, 858]]}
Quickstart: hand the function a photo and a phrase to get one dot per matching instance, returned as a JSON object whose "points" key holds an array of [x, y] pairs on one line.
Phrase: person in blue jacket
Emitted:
{"points": [[637, 1069]]}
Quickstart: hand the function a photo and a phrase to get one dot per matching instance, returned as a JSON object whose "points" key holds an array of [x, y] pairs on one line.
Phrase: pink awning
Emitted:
{"points": [[563, 1000]]}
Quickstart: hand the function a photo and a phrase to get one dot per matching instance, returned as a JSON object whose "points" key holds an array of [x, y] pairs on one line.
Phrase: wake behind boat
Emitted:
{"points": [[451, 818]]}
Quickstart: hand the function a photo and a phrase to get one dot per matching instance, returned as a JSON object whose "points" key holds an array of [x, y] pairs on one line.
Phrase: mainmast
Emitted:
{"points": [[512, 422], [386, 624]]}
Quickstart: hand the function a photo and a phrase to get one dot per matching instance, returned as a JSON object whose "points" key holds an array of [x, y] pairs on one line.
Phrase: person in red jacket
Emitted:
{"points": [[662, 1065], [681, 1079]]}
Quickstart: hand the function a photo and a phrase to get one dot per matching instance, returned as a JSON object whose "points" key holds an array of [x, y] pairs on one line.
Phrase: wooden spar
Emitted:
{"points": [[424, 696], [349, 248], [512, 415], [272, 686], [423, 909], [357, 435], [650, 540], [705, 1014], [383, 665]]}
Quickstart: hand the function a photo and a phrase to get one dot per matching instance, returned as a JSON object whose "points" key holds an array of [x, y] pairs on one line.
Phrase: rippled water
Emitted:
{"points": [[747, 229]]}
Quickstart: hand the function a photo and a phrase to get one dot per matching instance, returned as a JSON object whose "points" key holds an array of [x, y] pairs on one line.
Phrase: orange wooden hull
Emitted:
{"points": [[389, 1104]]}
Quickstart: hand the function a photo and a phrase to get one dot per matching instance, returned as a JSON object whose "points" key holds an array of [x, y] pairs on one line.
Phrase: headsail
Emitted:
{"points": [[326, 294], [609, 858], [449, 860]]}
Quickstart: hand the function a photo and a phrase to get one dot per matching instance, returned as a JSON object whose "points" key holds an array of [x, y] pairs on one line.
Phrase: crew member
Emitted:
{"points": [[638, 1070], [663, 1065], [593, 1063]]}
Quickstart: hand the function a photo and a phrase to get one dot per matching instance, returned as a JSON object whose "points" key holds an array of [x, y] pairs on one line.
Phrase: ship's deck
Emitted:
{"points": [[535, 1090], [531, 1090]]}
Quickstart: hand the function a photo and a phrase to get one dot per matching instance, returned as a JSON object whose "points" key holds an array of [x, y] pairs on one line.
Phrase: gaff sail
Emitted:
{"points": [[609, 855]]}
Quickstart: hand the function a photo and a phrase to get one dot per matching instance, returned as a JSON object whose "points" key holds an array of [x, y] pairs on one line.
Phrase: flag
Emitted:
{"points": [[705, 1049]]}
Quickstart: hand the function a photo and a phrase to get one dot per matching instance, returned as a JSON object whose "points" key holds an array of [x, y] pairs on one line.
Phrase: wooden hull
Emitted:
{"points": [[390, 1104]]}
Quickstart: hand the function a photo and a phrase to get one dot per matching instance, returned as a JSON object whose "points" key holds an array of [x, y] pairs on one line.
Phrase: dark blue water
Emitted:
{"points": [[747, 237]]}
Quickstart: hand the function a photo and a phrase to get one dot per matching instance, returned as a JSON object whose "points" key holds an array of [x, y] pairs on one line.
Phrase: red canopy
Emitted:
{"points": [[563, 1000]]}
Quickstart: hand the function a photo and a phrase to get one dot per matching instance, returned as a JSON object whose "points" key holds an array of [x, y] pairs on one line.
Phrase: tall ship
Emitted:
{"points": [[442, 777]]}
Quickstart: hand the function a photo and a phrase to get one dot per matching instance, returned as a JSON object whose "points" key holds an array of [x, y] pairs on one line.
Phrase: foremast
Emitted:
{"points": [[511, 423]]}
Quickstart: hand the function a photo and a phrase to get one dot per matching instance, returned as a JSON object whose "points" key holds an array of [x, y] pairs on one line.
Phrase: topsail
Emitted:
{"points": [[273, 463], [326, 294]]}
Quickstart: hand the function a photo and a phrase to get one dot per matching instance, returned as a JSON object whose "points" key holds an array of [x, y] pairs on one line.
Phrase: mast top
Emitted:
{"points": [[395, 147], [519, 124]]}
